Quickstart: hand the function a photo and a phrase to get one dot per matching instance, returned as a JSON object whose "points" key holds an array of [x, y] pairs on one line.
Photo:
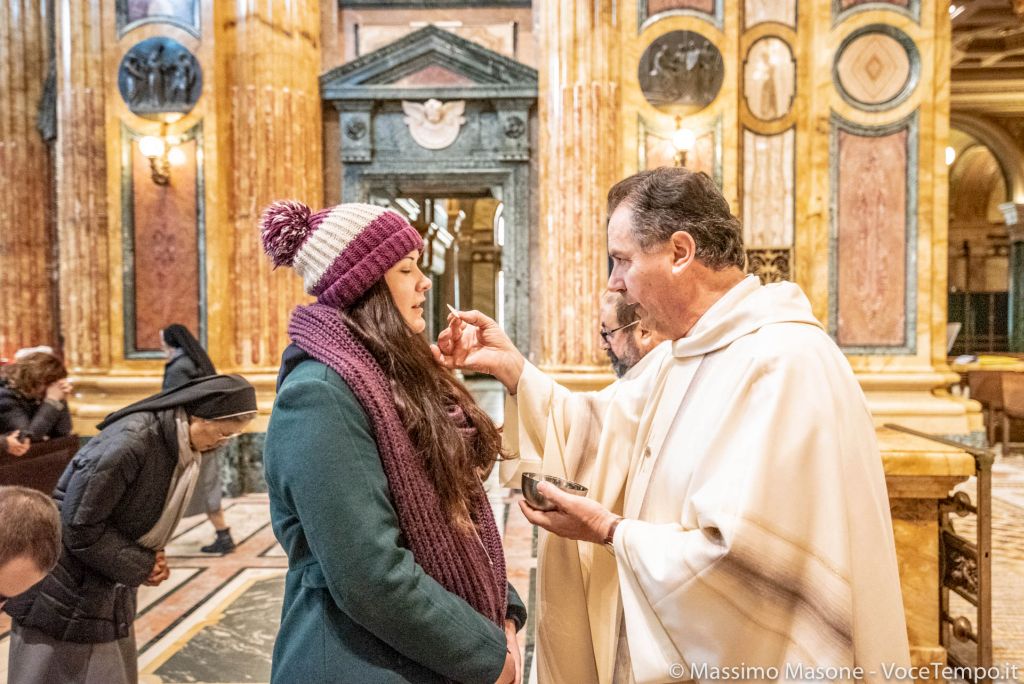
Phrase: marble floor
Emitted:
{"points": [[215, 619]]}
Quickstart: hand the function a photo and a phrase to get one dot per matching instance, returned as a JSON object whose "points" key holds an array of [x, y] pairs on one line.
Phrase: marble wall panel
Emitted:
{"points": [[871, 242], [499, 37], [658, 151], [658, 6], [769, 78], [768, 189], [847, 4], [165, 239], [433, 76], [761, 11], [488, 26]]}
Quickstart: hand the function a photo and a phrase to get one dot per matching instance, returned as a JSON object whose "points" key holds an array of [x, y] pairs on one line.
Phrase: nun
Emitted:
{"points": [[120, 499], [187, 360]]}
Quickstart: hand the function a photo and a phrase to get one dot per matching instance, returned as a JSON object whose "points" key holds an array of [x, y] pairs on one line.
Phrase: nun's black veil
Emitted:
{"points": [[212, 397]]}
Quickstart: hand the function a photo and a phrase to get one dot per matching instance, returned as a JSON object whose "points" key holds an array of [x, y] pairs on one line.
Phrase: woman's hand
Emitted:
{"points": [[513, 647], [508, 673], [58, 390], [161, 571], [15, 446]]}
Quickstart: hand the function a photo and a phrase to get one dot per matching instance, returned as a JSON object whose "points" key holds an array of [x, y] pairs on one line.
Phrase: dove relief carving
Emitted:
{"points": [[433, 124]]}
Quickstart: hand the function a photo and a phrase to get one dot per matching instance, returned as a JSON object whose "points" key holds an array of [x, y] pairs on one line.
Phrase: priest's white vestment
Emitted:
{"points": [[757, 531]]}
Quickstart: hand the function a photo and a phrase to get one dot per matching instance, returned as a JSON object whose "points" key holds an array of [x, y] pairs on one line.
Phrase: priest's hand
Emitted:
{"points": [[574, 516], [472, 341]]}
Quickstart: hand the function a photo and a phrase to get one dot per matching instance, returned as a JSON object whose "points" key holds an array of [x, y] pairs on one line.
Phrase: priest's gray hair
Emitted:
{"points": [[670, 199]]}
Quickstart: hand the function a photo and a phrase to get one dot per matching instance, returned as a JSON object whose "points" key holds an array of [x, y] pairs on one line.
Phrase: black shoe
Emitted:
{"points": [[222, 544]]}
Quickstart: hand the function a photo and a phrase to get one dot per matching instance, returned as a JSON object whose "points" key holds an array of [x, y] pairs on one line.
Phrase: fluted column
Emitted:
{"points": [[579, 162], [26, 176], [1014, 214], [82, 186], [273, 148]]}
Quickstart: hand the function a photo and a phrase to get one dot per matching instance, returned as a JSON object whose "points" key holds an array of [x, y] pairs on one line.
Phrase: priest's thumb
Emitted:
{"points": [[551, 493]]}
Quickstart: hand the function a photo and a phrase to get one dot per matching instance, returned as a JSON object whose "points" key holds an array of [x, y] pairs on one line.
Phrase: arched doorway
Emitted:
{"points": [[436, 127]]}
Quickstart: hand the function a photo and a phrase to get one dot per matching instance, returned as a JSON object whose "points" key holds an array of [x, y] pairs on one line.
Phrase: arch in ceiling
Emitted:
{"points": [[1002, 145]]}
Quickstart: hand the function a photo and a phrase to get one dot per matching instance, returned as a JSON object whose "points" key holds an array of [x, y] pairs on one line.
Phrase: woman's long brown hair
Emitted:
{"points": [[423, 392]]}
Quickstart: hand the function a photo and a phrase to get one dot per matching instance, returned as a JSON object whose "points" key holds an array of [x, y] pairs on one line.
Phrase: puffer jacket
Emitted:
{"points": [[111, 494], [40, 419]]}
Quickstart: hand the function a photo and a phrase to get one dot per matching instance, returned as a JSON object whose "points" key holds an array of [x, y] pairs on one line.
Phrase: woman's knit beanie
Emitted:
{"points": [[341, 251]]}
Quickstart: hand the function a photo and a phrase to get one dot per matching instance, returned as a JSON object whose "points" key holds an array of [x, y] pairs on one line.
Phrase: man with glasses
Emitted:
{"points": [[29, 539], [623, 338]]}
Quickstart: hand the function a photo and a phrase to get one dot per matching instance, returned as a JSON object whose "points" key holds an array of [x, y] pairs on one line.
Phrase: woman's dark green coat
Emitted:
{"points": [[357, 606]]}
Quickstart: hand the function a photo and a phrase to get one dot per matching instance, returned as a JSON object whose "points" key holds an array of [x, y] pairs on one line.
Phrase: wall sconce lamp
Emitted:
{"points": [[683, 139], [162, 151]]}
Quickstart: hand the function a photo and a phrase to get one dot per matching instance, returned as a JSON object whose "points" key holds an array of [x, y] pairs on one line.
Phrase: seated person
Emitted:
{"points": [[33, 398], [11, 444]]}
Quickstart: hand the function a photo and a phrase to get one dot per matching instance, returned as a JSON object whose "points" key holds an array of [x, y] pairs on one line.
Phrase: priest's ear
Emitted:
{"points": [[684, 250]]}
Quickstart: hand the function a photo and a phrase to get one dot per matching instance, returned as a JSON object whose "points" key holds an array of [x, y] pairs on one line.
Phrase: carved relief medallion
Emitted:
{"points": [[433, 124], [158, 77], [681, 68]]}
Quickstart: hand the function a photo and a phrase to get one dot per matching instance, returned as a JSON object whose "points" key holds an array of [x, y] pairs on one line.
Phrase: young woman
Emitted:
{"points": [[34, 392], [373, 454], [187, 360], [120, 499]]}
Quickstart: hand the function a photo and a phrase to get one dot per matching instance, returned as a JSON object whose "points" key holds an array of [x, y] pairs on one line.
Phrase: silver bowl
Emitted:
{"points": [[537, 500]]}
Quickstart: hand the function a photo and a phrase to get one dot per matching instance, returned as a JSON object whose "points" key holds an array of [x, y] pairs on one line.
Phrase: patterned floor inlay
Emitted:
{"points": [[214, 621]]}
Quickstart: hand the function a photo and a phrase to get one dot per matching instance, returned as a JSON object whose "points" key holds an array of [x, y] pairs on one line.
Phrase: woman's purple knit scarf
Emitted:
{"points": [[459, 562]]}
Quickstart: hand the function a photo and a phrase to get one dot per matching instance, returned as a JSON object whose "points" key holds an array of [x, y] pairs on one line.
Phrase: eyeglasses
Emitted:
{"points": [[605, 334]]}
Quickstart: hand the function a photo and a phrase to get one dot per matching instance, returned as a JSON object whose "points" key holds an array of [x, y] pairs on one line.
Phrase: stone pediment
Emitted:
{"points": [[430, 59]]}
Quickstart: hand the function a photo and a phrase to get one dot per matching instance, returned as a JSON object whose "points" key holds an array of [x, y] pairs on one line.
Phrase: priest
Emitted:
{"points": [[751, 532]]}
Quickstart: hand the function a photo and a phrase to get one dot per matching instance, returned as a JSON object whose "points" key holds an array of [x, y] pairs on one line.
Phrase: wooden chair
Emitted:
{"points": [[41, 466], [986, 387], [1013, 403]]}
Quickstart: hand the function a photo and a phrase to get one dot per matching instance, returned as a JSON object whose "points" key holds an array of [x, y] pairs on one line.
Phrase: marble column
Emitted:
{"points": [[1014, 214], [26, 175], [81, 165], [270, 133], [579, 111]]}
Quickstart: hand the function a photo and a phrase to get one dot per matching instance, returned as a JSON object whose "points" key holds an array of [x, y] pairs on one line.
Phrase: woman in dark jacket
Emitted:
{"points": [[373, 458], [120, 499], [187, 360], [34, 397]]}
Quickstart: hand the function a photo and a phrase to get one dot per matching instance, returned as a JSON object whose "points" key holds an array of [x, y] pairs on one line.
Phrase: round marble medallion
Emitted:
{"points": [[160, 79], [681, 68], [875, 67]]}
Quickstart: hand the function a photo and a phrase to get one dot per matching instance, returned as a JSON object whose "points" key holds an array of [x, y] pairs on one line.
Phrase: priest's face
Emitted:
{"points": [[619, 341], [648, 278]]}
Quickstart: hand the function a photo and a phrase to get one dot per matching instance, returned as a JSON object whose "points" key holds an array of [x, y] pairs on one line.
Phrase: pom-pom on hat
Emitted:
{"points": [[341, 251]]}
